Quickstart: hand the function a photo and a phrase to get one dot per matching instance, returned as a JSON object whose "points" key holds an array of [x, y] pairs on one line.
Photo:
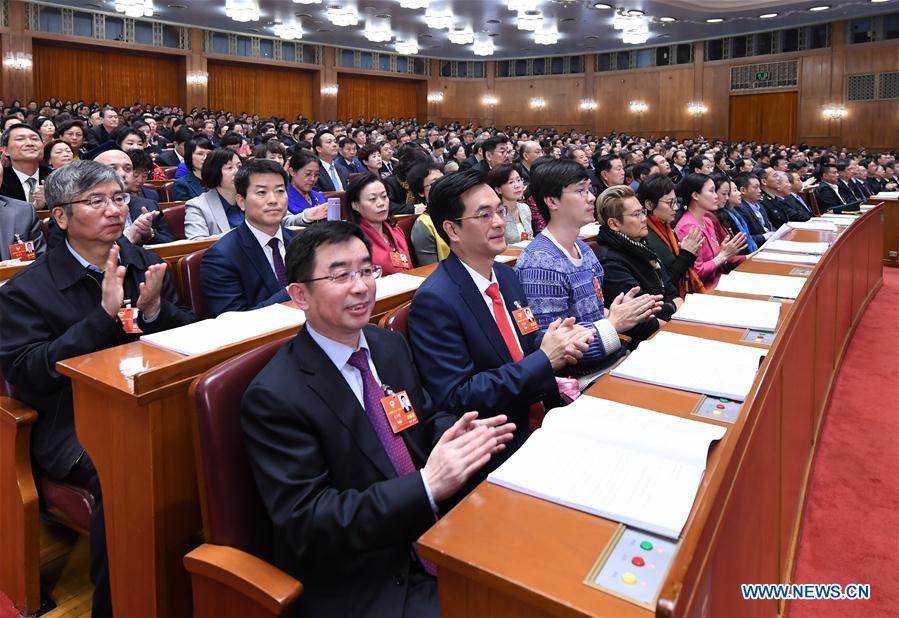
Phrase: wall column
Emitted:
{"points": [[837, 81], [325, 107], [196, 95], [490, 74], [591, 116], [698, 68], [17, 83]]}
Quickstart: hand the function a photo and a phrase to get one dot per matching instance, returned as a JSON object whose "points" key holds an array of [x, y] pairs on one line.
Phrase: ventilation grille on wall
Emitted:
{"points": [[861, 88], [889, 85], [765, 75]]}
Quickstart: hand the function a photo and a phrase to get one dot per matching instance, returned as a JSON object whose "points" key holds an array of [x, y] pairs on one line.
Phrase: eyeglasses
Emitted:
{"points": [[344, 277], [672, 203], [486, 215], [100, 201], [640, 214], [583, 192], [503, 151]]}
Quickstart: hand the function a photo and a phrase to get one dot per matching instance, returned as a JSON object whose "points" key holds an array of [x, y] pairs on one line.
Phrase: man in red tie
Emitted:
{"points": [[349, 477], [468, 326]]}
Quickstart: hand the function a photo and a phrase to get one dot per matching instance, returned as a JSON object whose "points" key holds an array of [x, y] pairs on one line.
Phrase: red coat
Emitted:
{"points": [[393, 257]]}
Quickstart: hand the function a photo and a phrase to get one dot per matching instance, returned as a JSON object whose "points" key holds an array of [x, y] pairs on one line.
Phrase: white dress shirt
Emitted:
{"points": [[335, 177], [23, 178], [482, 284], [263, 239]]}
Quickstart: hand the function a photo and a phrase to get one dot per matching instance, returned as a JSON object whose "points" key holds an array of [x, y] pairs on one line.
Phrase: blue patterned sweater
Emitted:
{"points": [[556, 288]]}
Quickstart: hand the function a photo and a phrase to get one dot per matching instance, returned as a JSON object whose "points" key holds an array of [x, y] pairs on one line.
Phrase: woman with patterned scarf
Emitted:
{"points": [[628, 261], [656, 194]]}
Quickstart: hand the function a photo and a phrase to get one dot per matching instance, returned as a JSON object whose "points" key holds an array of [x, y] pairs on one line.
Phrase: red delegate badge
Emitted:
{"points": [[598, 288], [22, 250], [399, 260], [525, 320], [128, 318], [400, 413]]}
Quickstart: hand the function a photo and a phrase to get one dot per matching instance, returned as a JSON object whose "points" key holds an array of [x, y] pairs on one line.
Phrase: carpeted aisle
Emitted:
{"points": [[850, 532]]}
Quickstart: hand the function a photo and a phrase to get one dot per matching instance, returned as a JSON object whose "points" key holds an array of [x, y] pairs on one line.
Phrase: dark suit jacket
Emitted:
{"points": [[862, 188], [827, 198], [50, 312], [875, 185], [18, 217], [471, 161], [344, 521], [163, 231], [168, 158], [756, 230], [797, 210], [675, 175], [235, 275], [149, 193], [187, 187], [97, 135], [388, 167], [11, 187], [463, 360], [775, 209], [324, 182], [355, 168]]}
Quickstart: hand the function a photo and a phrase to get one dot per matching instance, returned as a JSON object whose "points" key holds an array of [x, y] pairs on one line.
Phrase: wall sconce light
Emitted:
{"points": [[835, 112], [489, 99], [537, 103], [18, 61], [200, 78], [588, 105], [638, 107], [330, 91], [435, 97], [696, 108]]}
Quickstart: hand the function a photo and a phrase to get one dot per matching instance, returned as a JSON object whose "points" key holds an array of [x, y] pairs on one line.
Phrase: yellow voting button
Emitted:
{"points": [[629, 578]]}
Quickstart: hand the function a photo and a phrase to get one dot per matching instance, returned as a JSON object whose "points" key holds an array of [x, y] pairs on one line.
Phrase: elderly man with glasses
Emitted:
{"points": [[94, 291]]}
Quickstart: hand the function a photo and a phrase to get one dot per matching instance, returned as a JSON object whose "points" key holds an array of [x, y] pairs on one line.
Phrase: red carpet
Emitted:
{"points": [[851, 529]]}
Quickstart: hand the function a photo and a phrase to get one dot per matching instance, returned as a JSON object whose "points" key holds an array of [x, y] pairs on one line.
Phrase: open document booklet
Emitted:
{"points": [[627, 464]]}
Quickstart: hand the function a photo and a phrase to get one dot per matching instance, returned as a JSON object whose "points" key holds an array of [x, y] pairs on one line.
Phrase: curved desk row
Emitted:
{"points": [[503, 553]]}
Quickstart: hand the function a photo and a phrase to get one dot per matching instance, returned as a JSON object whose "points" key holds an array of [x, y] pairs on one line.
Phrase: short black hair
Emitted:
{"points": [[696, 163], [354, 191], [301, 158], [191, 147], [231, 139], [182, 135], [742, 180], [690, 184], [4, 139], [300, 262], [68, 124], [491, 144], [653, 188], [445, 199], [417, 174], [256, 166], [317, 140], [604, 163], [549, 178], [212, 166], [141, 160]]}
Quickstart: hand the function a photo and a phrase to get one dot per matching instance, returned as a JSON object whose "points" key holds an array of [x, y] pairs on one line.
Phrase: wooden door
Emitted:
{"points": [[769, 117]]}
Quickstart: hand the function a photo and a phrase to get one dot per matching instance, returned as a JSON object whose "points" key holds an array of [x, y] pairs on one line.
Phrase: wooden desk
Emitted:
{"points": [[890, 230], [137, 431], [502, 553]]}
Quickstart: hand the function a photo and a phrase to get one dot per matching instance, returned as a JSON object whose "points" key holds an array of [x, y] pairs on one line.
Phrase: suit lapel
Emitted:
{"points": [[214, 204], [257, 258], [476, 304], [335, 393]]}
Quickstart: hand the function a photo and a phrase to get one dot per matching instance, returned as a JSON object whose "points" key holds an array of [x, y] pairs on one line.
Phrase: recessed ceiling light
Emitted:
{"points": [[635, 12], [493, 21], [177, 6], [323, 30], [602, 6], [568, 19], [426, 36], [493, 34], [714, 20], [591, 37], [815, 9], [767, 15], [303, 15], [877, 1], [667, 20], [94, 5]]}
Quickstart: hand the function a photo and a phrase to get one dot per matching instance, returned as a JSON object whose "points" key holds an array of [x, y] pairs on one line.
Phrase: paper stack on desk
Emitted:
{"points": [[693, 364], [729, 311], [227, 329], [624, 463], [887, 195], [787, 258], [758, 284], [814, 226], [792, 246], [398, 283], [591, 229]]}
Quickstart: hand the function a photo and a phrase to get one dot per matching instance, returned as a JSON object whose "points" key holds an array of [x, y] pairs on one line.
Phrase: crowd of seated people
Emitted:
{"points": [[673, 216]]}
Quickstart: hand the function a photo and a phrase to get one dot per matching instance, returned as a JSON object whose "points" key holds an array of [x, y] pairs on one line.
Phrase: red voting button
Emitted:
{"points": [[637, 561], [720, 406]]}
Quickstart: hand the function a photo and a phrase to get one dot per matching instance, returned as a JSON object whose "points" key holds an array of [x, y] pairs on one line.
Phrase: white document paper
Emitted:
{"points": [[887, 195], [520, 245], [761, 285], [591, 229], [227, 329], [628, 464], [814, 226], [786, 258], [848, 219], [792, 246], [505, 259], [693, 364], [398, 283], [729, 311]]}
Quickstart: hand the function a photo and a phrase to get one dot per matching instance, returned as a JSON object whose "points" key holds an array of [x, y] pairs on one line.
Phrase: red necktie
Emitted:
{"points": [[538, 411]]}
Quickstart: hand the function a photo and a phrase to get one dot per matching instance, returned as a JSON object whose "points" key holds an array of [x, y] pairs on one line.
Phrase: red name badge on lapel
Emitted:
{"points": [[22, 250], [525, 319], [597, 288], [399, 260], [128, 318], [400, 413], [525, 236]]}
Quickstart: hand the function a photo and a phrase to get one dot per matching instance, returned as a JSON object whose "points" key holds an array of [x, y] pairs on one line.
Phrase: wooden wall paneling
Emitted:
{"points": [[814, 93], [675, 93], [562, 95], [716, 96], [375, 97], [461, 102], [101, 74], [255, 88], [765, 117], [825, 340]]}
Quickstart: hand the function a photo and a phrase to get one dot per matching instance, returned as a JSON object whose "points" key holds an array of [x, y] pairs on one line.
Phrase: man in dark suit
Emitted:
{"points": [[68, 303], [858, 181], [461, 330], [347, 159], [332, 177], [174, 157], [751, 210], [798, 209], [388, 162], [102, 133], [497, 150], [774, 206], [23, 178], [678, 166], [349, 494], [245, 269], [19, 223], [844, 178], [828, 193]]}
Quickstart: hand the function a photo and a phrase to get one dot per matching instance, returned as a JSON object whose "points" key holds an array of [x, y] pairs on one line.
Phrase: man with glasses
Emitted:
{"points": [[497, 151], [25, 175], [245, 269], [472, 350], [350, 478], [563, 277], [78, 298]]}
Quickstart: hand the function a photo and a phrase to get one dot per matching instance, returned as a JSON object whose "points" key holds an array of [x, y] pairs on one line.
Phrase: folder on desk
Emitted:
{"points": [[792, 246], [729, 311], [624, 463], [693, 364], [398, 283], [787, 258], [227, 329], [813, 226], [740, 282]]}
